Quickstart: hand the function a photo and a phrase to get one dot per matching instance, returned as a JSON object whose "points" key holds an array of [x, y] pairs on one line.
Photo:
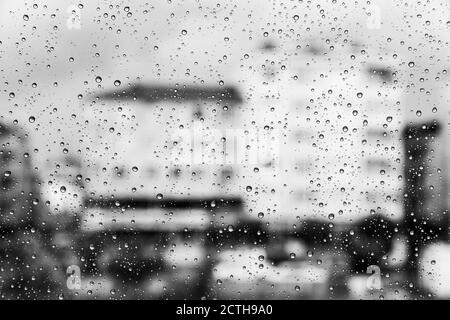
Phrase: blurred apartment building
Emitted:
{"points": [[290, 145], [339, 128]]}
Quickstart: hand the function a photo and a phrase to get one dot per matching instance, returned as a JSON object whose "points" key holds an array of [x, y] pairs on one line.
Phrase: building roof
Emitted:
{"points": [[155, 93]]}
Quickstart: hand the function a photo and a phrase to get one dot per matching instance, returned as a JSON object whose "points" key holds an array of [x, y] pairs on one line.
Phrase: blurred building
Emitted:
{"points": [[284, 151]]}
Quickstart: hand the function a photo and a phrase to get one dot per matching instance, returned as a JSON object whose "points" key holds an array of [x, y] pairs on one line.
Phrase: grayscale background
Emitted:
{"points": [[198, 149]]}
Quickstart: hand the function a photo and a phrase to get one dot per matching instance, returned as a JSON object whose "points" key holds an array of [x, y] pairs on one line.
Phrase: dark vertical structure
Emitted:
{"points": [[425, 209], [27, 265]]}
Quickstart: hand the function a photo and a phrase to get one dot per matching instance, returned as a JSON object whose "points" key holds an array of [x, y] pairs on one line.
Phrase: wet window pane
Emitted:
{"points": [[224, 150]]}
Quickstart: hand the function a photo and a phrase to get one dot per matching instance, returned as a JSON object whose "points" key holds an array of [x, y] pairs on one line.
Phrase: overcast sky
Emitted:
{"points": [[47, 64]]}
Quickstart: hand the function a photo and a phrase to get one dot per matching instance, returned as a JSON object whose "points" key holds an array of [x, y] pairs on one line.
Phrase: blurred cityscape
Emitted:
{"points": [[312, 165]]}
